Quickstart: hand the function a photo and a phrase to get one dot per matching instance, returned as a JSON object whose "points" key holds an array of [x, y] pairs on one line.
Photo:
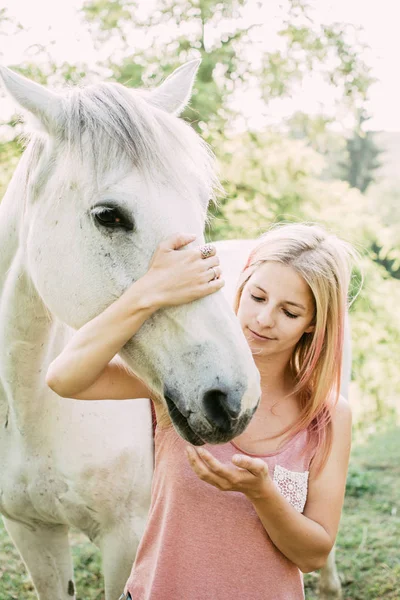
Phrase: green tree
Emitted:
{"points": [[177, 30], [331, 51], [383, 201], [362, 156]]}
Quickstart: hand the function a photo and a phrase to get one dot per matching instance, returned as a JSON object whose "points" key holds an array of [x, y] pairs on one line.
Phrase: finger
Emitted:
{"points": [[210, 287], [178, 240], [214, 285], [214, 464], [213, 273], [213, 261], [256, 466], [202, 470], [208, 279]]}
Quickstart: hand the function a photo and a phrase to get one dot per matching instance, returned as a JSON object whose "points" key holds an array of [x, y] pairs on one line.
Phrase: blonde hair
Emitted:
{"points": [[325, 263]]}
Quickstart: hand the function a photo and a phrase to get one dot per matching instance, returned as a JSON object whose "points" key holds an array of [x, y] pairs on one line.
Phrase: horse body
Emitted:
{"points": [[86, 465]]}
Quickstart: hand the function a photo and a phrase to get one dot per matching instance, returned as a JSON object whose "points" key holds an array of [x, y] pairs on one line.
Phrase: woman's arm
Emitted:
{"points": [[305, 539], [83, 369], [85, 358]]}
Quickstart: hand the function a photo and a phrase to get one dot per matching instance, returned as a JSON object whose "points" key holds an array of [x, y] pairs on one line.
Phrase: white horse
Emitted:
{"points": [[111, 173]]}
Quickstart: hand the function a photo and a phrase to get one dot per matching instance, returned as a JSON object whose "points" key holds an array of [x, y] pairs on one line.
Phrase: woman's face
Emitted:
{"points": [[276, 309]]}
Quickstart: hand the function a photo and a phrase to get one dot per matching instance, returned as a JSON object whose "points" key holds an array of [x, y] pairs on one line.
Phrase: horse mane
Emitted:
{"points": [[111, 124]]}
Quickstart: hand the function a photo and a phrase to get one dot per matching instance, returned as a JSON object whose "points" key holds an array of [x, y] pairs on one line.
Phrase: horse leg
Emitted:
{"points": [[118, 549], [329, 583], [46, 553]]}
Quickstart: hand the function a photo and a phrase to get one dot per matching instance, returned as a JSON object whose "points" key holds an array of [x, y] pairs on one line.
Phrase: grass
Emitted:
{"points": [[368, 553], [368, 550]]}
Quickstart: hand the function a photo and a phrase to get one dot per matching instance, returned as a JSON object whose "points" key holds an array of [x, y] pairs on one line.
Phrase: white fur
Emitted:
{"points": [[165, 95]]}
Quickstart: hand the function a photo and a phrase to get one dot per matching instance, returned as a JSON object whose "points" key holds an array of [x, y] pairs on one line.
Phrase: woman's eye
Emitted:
{"points": [[256, 298], [290, 315], [112, 218]]}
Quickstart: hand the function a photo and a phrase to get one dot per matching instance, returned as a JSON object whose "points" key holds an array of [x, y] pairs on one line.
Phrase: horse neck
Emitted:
{"points": [[25, 326], [11, 215]]}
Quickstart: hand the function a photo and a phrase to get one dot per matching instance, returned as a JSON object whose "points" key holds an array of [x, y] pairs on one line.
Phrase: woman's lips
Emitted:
{"points": [[260, 337]]}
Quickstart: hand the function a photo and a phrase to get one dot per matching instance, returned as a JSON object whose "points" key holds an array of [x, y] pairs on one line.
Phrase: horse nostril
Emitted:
{"points": [[220, 409]]}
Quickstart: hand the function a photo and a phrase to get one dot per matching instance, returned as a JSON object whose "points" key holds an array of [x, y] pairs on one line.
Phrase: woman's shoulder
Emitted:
{"points": [[338, 456], [341, 420], [341, 414]]}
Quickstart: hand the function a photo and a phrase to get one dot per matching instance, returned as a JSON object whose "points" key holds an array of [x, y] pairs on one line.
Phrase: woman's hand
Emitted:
{"points": [[246, 474], [83, 370], [177, 277]]}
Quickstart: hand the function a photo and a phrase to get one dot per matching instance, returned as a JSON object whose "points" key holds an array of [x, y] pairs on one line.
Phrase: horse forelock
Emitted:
{"points": [[117, 125], [114, 128]]}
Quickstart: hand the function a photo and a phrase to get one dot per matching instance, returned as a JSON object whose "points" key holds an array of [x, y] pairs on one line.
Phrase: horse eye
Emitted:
{"points": [[112, 218]]}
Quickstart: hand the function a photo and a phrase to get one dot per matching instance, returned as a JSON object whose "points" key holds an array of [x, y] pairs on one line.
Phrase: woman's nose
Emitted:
{"points": [[266, 318]]}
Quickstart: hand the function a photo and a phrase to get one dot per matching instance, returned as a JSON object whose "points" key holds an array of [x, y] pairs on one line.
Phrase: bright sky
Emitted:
{"points": [[55, 23]]}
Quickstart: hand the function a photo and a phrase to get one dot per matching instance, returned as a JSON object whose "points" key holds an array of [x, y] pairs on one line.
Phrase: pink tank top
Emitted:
{"points": [[204, 544]]}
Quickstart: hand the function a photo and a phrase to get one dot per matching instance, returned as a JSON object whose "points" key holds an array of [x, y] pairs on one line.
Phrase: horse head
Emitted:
{"points": [[112, 172]]}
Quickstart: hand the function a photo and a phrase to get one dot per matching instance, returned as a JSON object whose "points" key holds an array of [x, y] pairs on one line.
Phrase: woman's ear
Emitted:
{"points": [[310, 329]]}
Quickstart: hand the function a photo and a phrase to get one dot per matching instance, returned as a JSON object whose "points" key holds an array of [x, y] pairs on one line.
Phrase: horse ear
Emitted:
{"points": [[175, 92], [44, 104]]}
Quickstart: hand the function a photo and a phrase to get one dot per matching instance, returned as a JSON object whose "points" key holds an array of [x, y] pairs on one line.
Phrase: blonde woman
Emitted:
{"points": [[246, 518]]}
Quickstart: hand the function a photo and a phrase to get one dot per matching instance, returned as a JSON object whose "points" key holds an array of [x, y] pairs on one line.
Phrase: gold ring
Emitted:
{"points": [[207, 250]]}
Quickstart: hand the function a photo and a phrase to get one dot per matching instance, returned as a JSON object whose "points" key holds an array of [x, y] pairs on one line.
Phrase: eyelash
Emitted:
{"points": [[287, 313], [290, 315], [256, 298]]}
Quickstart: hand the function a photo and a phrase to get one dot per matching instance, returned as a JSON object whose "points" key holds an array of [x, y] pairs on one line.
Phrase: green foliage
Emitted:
{"points": [[109, 14], [177, 30], [384, 200], [8, 25], [315, 131], [195, 29], [360, 482], [367, 549], [265, 177], [334, 51], [362, 158]]}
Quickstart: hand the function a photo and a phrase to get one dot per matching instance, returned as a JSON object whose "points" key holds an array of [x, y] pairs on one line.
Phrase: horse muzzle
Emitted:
{"points": [[217, 419]]}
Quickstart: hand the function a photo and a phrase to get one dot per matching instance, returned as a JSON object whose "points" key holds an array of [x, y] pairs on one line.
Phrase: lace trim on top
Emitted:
{"points": [[292, 485]]}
